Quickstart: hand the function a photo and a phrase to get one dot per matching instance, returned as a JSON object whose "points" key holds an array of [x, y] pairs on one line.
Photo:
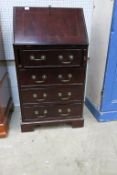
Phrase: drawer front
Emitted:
{"points": [[52, 94], [37, 77], [51, 112], [36, 58]]}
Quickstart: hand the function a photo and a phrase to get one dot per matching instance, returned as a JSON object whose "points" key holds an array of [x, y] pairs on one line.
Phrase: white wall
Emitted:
{"points": [[6, 7], [101, 23]]}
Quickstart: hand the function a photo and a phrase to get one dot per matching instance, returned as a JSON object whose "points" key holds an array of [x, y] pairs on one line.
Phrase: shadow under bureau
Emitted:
{"points": [[50, 46]]}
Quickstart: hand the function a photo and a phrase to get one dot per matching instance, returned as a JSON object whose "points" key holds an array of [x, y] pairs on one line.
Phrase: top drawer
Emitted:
{"points": [[37, 58]]}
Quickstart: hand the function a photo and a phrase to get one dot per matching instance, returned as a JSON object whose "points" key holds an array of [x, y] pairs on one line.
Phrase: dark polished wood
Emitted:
{"points": [[45, 58], [52, 94], [47, 26], [51, 76], [51, 112], [30, 126], [50, 46]]}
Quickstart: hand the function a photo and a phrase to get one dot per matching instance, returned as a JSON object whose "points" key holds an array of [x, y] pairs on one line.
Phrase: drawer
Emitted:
{"points": [[54, 94], [46, 76], [51, 112], [37, 58]]}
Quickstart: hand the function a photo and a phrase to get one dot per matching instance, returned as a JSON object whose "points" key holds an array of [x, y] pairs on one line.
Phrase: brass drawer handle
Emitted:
{"points": [[60, 111], [40, 81], [71, 57], [45, 112], [33, 77], [44, 77], [64, 98], [41, 99], [42, 58], [60, 57], [35, 95], [60, 76], [66, 62]]}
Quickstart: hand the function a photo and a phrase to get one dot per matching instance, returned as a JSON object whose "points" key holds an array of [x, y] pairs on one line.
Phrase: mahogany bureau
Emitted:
{"points": [[50, 46]]}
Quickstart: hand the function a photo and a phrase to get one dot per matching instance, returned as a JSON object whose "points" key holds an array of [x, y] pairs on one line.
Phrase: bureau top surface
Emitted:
{"points": [[49, 26]]}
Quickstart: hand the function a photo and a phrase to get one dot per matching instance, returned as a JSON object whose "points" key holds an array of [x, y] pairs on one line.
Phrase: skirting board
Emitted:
{"points": [[100, 116]]}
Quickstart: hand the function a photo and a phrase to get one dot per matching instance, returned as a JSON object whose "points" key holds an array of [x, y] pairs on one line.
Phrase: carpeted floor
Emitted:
{"points": [[60, 150]]}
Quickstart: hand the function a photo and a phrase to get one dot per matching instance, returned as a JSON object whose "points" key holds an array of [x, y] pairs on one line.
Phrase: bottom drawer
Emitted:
{"points": [[44, 112]]}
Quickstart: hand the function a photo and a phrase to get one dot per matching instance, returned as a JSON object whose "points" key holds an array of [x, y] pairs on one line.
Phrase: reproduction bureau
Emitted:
{"points": [[50, 46], [6, 104]]}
